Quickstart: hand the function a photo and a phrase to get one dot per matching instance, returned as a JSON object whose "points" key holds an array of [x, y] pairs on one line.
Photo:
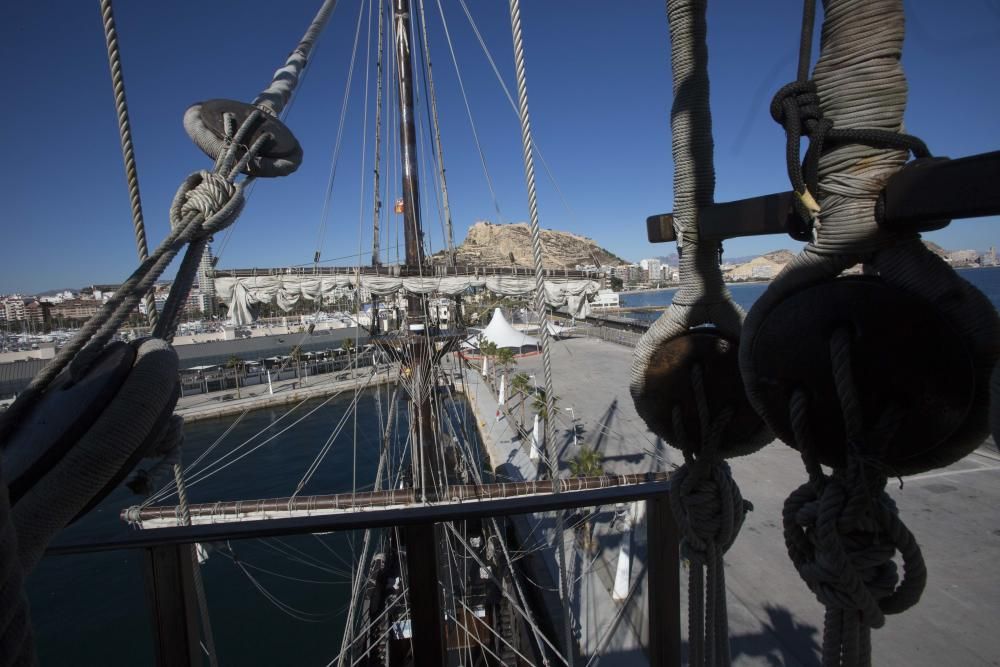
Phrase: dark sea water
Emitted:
{"points": [[90, 609], [745, 294]]}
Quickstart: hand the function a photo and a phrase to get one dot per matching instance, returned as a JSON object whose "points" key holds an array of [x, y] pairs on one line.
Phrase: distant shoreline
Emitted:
{"points": [[765, 282]]}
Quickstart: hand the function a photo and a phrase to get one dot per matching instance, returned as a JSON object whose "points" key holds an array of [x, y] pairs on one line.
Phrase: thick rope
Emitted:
{"points": [[211, 202], [128, 154], [274, 98], [703, 298], [710, 511], [704, 497], [540, 309], [17, 644], [842, 531], [99, 455]]}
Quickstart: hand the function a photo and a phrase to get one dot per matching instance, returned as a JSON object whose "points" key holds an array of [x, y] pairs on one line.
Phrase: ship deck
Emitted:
{"points": [[774, 619]]}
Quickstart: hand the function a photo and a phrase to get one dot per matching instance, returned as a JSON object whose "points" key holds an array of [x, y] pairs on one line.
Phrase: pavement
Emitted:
{"points": [[773, 618]]}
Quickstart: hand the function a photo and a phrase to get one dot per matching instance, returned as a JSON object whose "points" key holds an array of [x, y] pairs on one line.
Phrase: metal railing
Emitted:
{"points": [[168, 565]]}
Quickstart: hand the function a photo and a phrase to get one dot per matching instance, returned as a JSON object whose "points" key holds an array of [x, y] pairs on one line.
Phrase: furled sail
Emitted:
{"points": [[242, 294]]}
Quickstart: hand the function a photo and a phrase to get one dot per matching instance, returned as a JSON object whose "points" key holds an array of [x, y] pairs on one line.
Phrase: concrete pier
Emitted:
{"points": [[773, 617]]}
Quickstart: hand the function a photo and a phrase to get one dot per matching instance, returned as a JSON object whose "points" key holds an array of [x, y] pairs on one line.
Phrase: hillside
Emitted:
{"points": [[487, 244]]}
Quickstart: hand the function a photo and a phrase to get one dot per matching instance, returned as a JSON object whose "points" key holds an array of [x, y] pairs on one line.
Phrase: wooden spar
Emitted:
{"points": [[404, 271], [377, 204], [418, 540], [361, 501]]}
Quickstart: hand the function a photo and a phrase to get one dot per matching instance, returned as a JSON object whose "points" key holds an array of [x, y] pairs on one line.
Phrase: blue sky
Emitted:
{"points": [[599, 85]]}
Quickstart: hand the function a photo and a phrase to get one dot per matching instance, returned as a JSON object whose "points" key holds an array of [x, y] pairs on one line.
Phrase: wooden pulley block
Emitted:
{"points": [[280, 155], [65, 413], [668, 384], [912, 373]]}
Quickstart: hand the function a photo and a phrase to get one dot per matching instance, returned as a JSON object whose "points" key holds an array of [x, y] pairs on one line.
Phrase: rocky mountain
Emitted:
{"points": [[487, 244]]}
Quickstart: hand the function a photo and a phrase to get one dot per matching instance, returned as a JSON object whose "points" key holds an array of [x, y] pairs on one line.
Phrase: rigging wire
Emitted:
{"points": [[513, 106], [335, 158], [468, 111]]}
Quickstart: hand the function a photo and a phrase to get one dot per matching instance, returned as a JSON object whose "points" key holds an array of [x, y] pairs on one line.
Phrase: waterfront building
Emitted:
{"points": [[605, 299], [206, 282]]}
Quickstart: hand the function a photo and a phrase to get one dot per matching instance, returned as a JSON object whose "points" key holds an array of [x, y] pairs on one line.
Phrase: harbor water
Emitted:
{"points": [[90, 609], [987, 280]]}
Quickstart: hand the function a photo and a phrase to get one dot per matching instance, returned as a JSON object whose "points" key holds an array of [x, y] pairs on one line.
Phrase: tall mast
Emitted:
{"points": [[449, 236], [377, 208], [413, 234], [421, 543]]}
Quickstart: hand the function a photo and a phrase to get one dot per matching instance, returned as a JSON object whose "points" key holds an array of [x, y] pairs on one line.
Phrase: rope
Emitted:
{"points": [[205, 204], [128, 154], [842, 531], [16, 635], [540, 308], [797, 108], [710, 511], [468, 113], [438, 149], [125, 424], [274, 98]]}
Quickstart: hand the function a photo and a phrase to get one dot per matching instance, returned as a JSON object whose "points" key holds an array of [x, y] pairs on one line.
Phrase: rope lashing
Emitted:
{"points": [[796, 107], [709, 509], [685, 381]]}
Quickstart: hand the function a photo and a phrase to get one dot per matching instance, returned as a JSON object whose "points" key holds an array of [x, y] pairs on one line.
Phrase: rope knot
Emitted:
{"points": [[842, 533], [214, 198], [709, 509], [797, 105]]}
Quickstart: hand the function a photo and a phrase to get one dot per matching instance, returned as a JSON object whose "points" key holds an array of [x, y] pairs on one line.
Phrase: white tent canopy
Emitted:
{"points": [[502, 334]]}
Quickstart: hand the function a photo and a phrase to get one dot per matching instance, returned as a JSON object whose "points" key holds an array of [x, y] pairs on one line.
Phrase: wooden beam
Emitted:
{"points": [[664, 583], [924, 195], [425, 596], [439, 512], [172, 604]]}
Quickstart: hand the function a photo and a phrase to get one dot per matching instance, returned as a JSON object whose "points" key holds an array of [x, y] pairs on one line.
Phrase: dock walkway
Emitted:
{"points": [[257, 396], [774, 619]]}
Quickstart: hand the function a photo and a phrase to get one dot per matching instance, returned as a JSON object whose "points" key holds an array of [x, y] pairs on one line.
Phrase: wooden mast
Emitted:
{"points": [[421, 544]]}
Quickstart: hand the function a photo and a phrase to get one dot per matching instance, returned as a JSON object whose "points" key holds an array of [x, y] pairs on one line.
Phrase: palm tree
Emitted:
{"points": [[296, 355], [521, 383], [348, 346], [540, 406], [237, 365], [587, 463]]}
